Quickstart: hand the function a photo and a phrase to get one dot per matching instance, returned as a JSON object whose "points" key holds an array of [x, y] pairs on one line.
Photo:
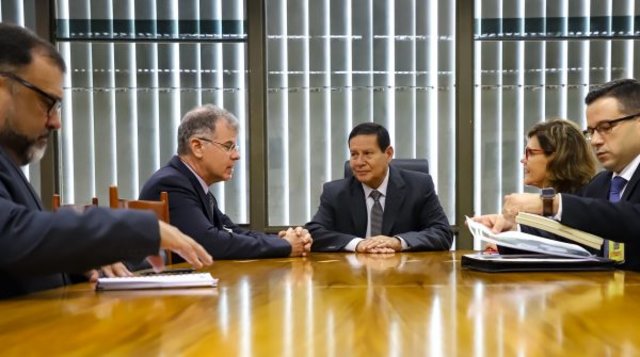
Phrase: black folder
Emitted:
{"points": [[533, 262]]}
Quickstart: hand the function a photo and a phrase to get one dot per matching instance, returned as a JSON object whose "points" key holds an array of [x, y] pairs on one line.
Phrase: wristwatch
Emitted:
{"points": [[547, 194]]}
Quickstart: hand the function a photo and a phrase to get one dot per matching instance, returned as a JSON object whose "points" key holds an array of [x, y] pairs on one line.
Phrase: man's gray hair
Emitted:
{"points": [[201, 121]]}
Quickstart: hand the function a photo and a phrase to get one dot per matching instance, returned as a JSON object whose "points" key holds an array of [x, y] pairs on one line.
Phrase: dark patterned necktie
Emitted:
{"points": [[376, 213], [212, 203]]}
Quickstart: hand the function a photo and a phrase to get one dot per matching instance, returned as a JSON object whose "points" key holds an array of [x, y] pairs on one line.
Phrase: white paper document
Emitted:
{"points": [[527, 242], [160, 281]]}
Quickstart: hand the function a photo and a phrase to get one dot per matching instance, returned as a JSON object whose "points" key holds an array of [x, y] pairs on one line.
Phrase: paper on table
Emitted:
{"points": [[193, 280]]}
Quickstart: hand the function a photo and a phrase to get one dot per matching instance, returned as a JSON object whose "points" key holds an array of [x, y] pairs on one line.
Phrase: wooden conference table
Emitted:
{"points": [[339, 305]]}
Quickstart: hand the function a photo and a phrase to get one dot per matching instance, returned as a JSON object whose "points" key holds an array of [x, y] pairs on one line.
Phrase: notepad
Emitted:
{"points": [[160, 281]]}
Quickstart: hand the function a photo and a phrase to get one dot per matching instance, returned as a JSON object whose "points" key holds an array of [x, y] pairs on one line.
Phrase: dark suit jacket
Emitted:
{"points": [[412, 210], [612, 221], [189, 211], [37, 247]]}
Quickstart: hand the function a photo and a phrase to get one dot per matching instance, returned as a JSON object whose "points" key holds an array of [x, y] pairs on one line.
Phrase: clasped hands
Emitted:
{"points": [[379, 245], [300, 241]]}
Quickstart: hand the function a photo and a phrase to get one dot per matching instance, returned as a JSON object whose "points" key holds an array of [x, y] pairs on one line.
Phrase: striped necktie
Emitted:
{"points": [[376, 213]]}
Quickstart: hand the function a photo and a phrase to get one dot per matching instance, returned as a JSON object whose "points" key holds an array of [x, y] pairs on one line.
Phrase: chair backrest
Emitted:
{"points": [[419, 165], [55, 204], [160, 208]]}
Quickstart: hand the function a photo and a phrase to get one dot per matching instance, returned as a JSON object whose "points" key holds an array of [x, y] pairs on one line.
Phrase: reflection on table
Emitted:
{"points": [[340, 305]]}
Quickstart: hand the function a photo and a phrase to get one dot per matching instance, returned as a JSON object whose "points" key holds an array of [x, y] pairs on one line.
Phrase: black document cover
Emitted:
{"points": [[533, 262]]}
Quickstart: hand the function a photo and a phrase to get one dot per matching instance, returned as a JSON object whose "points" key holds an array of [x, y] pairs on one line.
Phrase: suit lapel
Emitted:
{"points": [[33, 193], [601, 185], [19, 175], [395, 197], [631, 186], [359, 208], [183, 169]]}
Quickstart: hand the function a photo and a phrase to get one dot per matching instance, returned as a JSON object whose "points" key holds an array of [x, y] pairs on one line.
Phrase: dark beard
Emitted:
{"points": [[20, 146]]}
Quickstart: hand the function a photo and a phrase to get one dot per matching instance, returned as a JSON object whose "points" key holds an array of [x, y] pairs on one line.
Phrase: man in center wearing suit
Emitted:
{"points": [[380, 209], [207, 152]]}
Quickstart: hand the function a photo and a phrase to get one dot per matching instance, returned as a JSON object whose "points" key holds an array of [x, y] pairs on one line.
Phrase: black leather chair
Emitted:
{"points": [[419, 165]]}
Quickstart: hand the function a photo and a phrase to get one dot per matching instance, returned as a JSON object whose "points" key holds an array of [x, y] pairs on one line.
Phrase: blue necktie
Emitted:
{"points": [[615, 250], [617, 184]]}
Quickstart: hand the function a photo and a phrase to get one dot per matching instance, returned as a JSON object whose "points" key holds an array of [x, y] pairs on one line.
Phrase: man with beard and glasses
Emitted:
{"points": [[37, 248]]}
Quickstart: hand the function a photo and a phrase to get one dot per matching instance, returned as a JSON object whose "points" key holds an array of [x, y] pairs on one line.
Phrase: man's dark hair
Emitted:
{"points": [[372, 129], [626, 91], [17, 46]]}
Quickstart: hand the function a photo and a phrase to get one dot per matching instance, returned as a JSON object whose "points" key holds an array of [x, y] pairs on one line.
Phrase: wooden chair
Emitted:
{"points": [[160, 208], [55, 204]]}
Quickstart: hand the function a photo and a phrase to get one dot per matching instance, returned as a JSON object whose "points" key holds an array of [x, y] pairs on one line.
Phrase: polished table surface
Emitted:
{"points": [[339, 305]]}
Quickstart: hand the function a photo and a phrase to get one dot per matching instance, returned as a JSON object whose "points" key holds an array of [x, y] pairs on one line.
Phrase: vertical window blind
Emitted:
{"points": [[135, 68], [537, 60], [334, 64]]}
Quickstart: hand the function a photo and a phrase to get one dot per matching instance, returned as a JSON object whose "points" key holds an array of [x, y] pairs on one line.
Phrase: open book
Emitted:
{"points": [[159, 281], [557, 228]]}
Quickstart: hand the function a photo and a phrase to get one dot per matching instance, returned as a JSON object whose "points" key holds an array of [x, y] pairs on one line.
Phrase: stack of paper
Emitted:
{"points": [[160, 281]]}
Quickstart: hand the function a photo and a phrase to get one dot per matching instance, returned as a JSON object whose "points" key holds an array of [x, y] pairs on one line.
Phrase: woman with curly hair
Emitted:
{"points": [[558, 155]]}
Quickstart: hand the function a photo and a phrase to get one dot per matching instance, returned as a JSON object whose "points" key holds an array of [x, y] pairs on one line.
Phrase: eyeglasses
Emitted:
{"points": [[604, 127], [530, 152], [53, 103], [228, 147]]}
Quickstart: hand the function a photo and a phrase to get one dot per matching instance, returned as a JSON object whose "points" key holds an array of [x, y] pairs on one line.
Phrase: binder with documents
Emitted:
{"points": [[533, 262], [551, 255]]}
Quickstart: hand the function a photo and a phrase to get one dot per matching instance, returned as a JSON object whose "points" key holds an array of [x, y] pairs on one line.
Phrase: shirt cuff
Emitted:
{"points": [[351, 246], [404, 244], [558, 216]]}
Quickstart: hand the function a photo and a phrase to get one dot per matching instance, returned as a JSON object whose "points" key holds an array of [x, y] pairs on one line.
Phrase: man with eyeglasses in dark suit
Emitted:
{"points": [[37, 248], [207, 152], [613, 128]]}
